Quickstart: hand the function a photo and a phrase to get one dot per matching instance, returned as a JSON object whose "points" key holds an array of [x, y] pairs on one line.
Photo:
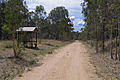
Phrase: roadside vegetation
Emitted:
{"points": [[54, 31], [102, 26], [15, 14], [11, 67], [102, 32]]}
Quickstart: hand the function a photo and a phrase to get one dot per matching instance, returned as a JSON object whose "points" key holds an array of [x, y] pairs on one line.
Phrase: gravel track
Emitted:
{"points": [[71, 62]]}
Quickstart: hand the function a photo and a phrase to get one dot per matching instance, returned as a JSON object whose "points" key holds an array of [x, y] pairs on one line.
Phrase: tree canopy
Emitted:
{"points": [[102, 22]]}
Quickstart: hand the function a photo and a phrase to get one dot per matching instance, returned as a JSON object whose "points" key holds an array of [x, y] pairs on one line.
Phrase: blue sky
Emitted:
{"points": [[73, 6]]}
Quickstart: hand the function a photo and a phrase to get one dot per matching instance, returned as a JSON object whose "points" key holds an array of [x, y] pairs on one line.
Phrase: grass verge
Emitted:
{"points": [[11, 67]]}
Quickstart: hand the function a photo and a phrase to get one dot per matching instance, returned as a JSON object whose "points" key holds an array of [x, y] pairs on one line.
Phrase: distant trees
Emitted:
{"points": [[102, 24], [62, 25], [15, 14], [56, 25], [39, 15]]}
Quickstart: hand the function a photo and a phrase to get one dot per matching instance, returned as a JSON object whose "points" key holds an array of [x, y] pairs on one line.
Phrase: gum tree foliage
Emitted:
{"points": [[62, 26], [102, 23], [2, 15], [15, 16]]}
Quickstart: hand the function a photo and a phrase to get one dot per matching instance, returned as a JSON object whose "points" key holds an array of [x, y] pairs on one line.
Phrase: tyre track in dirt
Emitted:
{"points": [[70, 62]]}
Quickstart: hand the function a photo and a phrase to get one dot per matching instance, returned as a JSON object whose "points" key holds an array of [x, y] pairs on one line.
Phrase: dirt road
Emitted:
{"points": [[68, 63]]}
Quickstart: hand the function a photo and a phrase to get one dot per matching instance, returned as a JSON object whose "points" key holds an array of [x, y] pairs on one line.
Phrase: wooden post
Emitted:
{"points": [[119, 39], [18, 39], [36, 41], [111, 44], [116, 33]]}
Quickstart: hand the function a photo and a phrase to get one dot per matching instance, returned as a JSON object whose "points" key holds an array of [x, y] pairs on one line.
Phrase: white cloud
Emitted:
{"points": [[77, 22], [31, 10], [72, 17], [81, 22], [50, 4], [73, 6]]}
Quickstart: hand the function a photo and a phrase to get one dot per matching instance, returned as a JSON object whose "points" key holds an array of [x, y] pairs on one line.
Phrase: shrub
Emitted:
{"points": [[8, 46]]}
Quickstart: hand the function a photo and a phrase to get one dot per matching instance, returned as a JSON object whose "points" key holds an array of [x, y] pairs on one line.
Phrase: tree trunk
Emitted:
{"points": [[111, 52], [119, 44], [18, 43], [96, 41], [116, 53], [103, 39], [119, 40], [36, 41], [14, 48]]}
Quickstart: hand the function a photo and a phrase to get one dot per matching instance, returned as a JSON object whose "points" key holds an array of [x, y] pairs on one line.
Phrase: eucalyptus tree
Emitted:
{"points": [[59, 18], [2, 16], [58, 13], [31, 21], [14, 18], [39, 18], [116, 21], [102, 19], [39, 15], [92, 12]]}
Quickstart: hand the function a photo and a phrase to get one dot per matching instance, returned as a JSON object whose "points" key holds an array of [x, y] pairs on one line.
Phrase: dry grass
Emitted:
{"points": [[5, 44], [11, 67], [105, 67]]}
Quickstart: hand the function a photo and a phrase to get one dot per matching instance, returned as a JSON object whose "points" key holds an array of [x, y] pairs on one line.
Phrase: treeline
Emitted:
{"points": [[15, 14], [103, 25]]}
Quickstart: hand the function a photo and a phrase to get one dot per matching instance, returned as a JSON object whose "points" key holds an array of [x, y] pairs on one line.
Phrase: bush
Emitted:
{"points": [[99, 44], [8, 46], [32, 62]]}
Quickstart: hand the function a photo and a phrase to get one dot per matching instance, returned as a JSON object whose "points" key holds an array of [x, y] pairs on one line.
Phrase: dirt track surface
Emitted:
{"points": [[71, 62]]}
